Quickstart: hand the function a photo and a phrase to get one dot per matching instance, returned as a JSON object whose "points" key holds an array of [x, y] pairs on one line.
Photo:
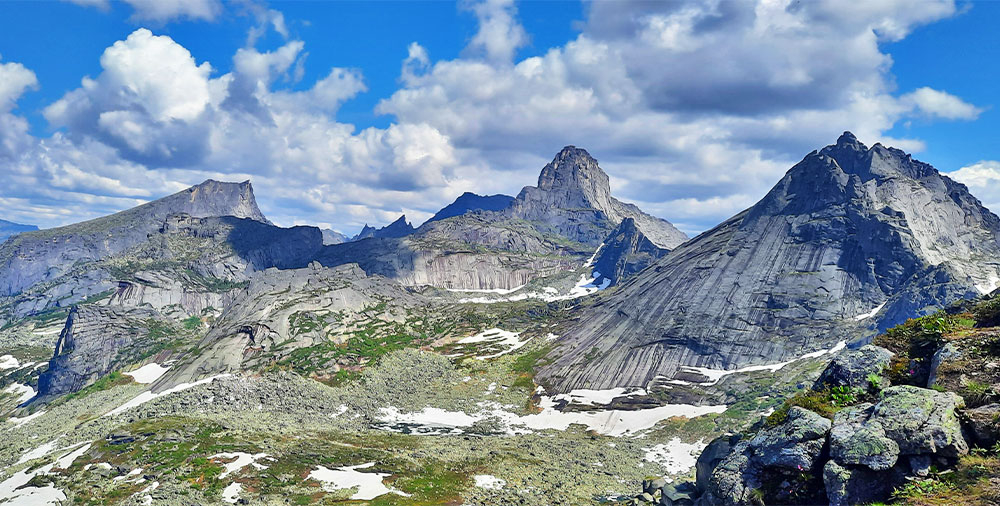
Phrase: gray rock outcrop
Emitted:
{"points": [[33, 257], [852, 368], [470, 202], [851, 241], [97, 340], [625, 252]]}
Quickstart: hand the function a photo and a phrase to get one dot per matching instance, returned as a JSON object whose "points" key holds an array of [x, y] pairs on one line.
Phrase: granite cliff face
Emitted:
{"points": [[851, 239], [33, 257], [625, 252], [573, 198]]}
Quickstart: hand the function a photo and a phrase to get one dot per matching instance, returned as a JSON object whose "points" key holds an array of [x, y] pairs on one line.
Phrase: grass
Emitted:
{"points": [[112, 380]]}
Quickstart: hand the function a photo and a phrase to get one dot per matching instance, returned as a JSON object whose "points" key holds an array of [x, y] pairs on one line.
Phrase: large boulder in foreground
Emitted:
{"points": [[922, 421]]}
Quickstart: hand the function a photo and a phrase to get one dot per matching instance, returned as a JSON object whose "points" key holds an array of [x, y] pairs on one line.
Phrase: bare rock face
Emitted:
{"points": [[284, 310], [573, 198], [625, 252], [851, 241], [398, 228], [97, 340], [32, 257]]}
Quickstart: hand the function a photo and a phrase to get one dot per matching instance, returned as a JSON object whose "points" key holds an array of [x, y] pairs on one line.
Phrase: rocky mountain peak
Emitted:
{"points": [[218, 198], [573, 196], [576, 173], [851, 240]]}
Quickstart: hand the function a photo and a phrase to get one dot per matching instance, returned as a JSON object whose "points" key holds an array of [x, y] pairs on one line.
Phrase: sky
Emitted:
{"points": [[343, 113]]}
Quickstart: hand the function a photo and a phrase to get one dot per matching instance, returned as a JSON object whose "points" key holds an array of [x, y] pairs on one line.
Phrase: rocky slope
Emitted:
{"points": [[9, 228], [625, 252], [33, 257], [912, 420], [573, 198], [470, 202], [851, 238]]}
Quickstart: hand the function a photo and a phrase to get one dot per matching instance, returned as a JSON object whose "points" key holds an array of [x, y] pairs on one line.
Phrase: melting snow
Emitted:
{"points": [[39, 452], [231, 493], [871, 313], [147, 373], [585, 396], [675, 456], [67, 460], [608, 422], [714, 375], [499, 291], [369, 485], [148, 396], [489, 481], [989, 286], [241, 460], [13, 491], [8, 362], [496, 337], [24, 392], [584, 286], [21, 421]]}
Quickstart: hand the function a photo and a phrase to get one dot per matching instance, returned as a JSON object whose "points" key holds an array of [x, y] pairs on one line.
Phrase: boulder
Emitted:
{"points": [[947, 352], [711, 456], [854, 440], [682, 494], [982, 424], [734, 480], [852, 368], [650, 486], [921, 421], [794, 445], [848, 485]]}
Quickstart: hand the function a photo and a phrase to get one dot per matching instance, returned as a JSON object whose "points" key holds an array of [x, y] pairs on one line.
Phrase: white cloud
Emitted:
{"points": [[15, 79], [941, 104], [983, 180], [694, 108], [169, 10], [499, 35]]}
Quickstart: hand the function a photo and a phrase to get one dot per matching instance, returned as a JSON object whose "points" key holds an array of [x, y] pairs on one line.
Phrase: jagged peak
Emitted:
{"points": [[574, 169]]}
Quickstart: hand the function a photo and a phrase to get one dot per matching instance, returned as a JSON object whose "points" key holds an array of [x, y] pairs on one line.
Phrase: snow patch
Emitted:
{"points": [[591, 397], [148, 396], [231, 493], [24, 392], [496, 337], [369, 485], [23, 420], [8, 362], [675, 456], [871, 313], [488, 481], [583, 287], [240, 461], [992, 284], [147, 373], [498, 291], [714, 375]]}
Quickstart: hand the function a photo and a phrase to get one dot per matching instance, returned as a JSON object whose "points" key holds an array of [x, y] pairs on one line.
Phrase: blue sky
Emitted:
{"points": [[346, 113]]}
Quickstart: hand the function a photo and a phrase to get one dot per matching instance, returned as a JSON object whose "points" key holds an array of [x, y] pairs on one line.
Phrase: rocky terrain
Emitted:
{"points": [[557, 348], [909, 420], [850, 242]]}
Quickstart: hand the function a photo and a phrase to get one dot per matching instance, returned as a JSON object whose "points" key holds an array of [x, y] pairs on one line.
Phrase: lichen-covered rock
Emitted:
{"points": [[717, 450], [853, 367], [921, 421], [734, 480], [682, 494], [855, 442], [982, 424], [848, 485], [795, 444]]}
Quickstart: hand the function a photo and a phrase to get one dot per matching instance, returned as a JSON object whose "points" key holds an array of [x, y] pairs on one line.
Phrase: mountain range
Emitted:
{"points": [[550, 324]]}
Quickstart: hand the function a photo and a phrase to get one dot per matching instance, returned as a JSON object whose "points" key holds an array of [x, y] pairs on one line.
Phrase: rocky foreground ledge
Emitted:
{"points": [[911, 419]]}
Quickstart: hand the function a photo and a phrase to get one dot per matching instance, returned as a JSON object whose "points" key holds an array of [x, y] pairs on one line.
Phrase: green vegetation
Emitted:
{"points": [[109, 381]]}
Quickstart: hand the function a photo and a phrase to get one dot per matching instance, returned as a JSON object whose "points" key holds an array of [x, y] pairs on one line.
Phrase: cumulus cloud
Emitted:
{"points": [[695, 109], [983, 180], [940, 104]]}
